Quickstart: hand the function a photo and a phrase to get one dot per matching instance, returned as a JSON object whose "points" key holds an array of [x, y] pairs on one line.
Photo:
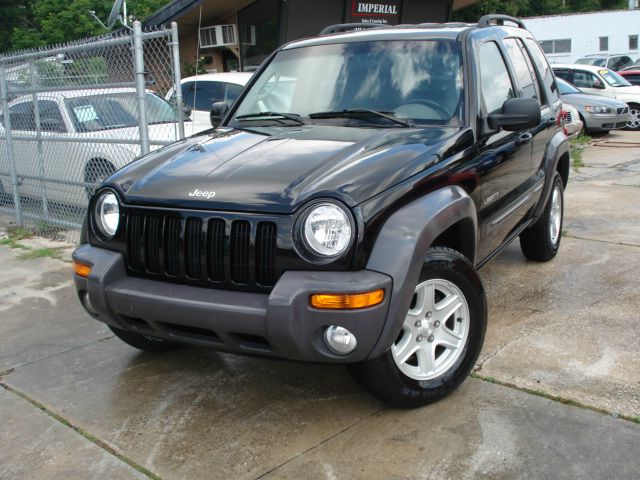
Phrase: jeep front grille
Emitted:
{"points": [[196, 249]]}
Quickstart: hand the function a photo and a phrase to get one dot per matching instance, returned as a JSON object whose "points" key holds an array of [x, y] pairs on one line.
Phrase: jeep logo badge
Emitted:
{"points": [[202, 193]]}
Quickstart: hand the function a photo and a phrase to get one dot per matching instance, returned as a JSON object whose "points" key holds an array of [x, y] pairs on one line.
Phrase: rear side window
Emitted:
{"points": [[50, 117], [495, 83], [545, 70], [524, 73], [22, 117]]}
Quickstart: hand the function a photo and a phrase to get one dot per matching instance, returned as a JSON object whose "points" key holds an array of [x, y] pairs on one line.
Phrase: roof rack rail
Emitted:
{"points": [[499, 19], [343, 27]]}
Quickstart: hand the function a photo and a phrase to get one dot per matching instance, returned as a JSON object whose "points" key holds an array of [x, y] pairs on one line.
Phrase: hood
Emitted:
{"points": [[580, 100], [276, 170]]}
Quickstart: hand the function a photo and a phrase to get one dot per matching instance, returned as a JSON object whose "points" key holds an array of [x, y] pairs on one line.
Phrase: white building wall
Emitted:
{"points": [[584, 30]]}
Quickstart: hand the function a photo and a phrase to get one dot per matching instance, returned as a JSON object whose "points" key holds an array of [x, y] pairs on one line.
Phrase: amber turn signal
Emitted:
{"points": [[81, 269], [346, 300]]}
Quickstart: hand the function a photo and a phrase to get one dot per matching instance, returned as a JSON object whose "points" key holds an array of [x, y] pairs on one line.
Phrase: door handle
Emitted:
{"points": [[524, 138]]}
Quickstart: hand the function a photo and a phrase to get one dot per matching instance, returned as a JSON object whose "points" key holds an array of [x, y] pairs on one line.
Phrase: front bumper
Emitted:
{"points": [[605, 121], [281, 323]]}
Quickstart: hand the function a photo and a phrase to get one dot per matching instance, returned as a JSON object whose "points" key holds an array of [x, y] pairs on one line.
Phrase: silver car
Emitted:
{"points": [[599, 114]]}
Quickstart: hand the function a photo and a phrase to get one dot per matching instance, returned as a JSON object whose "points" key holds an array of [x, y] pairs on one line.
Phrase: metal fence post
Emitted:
{"points": [[175, 53], [138, 61], [36, 112], [7, 131]]}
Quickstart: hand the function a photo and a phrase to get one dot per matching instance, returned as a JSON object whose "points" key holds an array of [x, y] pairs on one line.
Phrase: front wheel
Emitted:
{"points": [[634, 117], [541, 241], [440, 340]]}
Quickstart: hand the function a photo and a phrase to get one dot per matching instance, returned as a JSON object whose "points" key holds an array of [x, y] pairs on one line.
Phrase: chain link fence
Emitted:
{"points": [[73, 114]]}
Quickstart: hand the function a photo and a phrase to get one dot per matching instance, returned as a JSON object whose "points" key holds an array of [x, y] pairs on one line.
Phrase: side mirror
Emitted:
{"points": [[186, 109], [597, 83], [517, 114], [218, 111]]}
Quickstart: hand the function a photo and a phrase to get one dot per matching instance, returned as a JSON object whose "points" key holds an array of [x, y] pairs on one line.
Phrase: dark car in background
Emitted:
{"points": [[598, 113], [632, 76], [347, 226]]}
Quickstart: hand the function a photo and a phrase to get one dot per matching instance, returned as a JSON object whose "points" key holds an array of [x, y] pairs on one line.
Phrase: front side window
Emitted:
{"points": [[583, 79], [116, 110], [496, 86], [419, 80], [524, 73], [231, 92], [203, 94], [546, 74]]}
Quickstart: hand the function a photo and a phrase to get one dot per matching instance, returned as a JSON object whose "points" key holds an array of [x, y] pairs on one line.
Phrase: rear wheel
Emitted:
{"points": [[148, 343], [542, 241], [634, 117], [441, 336]]}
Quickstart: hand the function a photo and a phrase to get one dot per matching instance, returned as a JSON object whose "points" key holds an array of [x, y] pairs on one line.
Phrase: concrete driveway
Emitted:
{"points": [[555, 394]]}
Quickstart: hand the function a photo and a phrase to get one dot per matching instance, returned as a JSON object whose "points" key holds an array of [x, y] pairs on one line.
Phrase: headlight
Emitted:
{"points": [[107, 214], [327, 230], [594, 109]]}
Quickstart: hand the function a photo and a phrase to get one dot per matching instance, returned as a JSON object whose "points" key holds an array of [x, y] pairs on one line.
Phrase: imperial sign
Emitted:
{"points": [[375, 11]]}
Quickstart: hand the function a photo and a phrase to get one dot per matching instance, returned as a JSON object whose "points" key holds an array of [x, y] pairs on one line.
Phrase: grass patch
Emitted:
{"points": [[40, 253], [555, 398], [578, 144], [18, 233]]}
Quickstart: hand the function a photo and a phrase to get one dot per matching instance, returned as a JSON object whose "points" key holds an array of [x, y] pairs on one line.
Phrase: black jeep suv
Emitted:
{"points": [[341, 209]]}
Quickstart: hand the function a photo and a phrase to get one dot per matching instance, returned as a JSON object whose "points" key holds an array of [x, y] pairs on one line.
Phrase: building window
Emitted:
{"points": [[604, 44], [556, 46], [633, 42]]}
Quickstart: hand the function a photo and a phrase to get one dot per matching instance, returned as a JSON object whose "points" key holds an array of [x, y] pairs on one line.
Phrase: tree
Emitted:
{"points": [[35, 23]]}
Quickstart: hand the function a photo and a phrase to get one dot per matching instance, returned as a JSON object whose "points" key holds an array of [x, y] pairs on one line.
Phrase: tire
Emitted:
{"points": [[409, 380], [96, 172], [634, 117], [541, 241], [147, 343]]}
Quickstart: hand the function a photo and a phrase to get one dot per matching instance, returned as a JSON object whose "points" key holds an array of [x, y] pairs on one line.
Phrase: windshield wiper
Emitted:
{"points": [[361, 113], [289, 116]]}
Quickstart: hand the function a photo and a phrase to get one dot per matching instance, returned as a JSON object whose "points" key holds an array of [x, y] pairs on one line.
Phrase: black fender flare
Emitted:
{"points": [[403, 242], [556, 149]]}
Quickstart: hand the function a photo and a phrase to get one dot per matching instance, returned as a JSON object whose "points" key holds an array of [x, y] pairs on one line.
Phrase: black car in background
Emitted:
{"points": [[342, 208]]}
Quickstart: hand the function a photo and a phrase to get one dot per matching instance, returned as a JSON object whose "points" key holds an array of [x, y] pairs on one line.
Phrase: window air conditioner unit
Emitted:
{"points": [[218, 36]]}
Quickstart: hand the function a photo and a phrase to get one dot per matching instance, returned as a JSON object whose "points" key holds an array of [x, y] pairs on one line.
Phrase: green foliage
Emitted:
{"points": [[36, 23], [193, 68]]}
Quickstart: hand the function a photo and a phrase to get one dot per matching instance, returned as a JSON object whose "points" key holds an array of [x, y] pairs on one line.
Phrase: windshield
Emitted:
{"points": [[418, 80], [613, 79], [116, 110], [565, 87]]}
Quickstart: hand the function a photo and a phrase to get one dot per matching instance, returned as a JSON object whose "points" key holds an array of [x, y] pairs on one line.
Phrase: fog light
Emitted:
{"points": [[340, 340]]}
